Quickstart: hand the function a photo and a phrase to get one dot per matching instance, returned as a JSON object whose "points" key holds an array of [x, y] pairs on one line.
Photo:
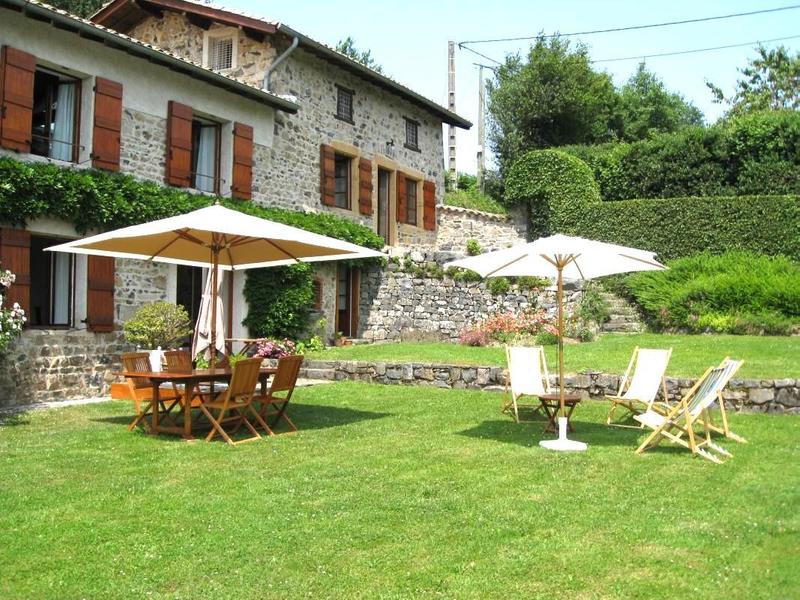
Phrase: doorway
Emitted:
{"points": [[347, 300], [384, 177]]}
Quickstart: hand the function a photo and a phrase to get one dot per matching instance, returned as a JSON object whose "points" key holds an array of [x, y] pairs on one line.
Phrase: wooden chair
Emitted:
{"points": [[727, 363], [637, 393], [273, 404], [140, 390], [678, 425], [180, 361], [235, 403], [526, 376]]}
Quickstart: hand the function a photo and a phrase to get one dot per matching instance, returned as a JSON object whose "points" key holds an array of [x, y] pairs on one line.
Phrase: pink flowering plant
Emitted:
{"points": [[11, 319], [503, 328], [267, 348]]}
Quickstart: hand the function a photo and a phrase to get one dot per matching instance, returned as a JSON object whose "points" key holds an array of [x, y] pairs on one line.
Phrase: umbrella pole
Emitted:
{"points": [[560, 301], [214, 280]]}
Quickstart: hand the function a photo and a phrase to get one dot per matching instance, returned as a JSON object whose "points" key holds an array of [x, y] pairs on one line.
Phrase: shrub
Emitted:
{"points": [[498, 286], [532, 283], [275, 348], [279, 301], [736, 292], [158, 325], [506, 327], [11, 319], [592, 307], [555, 186], [473, 248]]}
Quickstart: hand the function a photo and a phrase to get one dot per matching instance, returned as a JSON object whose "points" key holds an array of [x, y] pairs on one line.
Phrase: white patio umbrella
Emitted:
{"points": [[562, 257], [201, 341], [219, 238]]}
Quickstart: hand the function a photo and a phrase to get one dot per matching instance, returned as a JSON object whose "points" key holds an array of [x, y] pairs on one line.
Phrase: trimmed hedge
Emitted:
{"points": [[755, 154], [556, 186], [680, 227]]}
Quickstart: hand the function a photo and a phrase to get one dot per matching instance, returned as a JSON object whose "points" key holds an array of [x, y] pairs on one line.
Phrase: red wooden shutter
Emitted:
{"points": [[429, 205], [401, 197], [327, 174], [355, 301], [107, 124], [15, 255], [16, 93], [365, 186], [242, 187], [100, 294], [179, 144]]}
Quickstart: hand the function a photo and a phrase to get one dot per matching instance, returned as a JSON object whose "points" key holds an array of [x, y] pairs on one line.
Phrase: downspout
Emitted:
{"points": [[277, 62]]}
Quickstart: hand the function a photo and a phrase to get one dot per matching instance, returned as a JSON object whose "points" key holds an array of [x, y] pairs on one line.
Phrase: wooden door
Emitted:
{"points": [[347, 301]]}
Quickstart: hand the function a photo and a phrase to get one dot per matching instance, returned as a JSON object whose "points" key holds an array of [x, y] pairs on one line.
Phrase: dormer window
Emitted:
{"points": [[220, 48]]}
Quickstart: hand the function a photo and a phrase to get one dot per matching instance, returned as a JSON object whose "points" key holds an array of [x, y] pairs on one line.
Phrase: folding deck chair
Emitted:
{"points": [[725, 428], [526, 376], [140, 390], [637, 393], [678, 425], [274, 403]]}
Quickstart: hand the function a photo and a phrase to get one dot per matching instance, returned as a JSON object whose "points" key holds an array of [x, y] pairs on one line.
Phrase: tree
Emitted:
{"points": [[347, 47], [771, 82], [552, 97], [82, 8], [647, 107]]}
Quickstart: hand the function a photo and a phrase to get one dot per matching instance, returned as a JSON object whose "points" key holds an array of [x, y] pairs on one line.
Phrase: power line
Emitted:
{"points": [[630, 28], [643, 56], [460, 47]]}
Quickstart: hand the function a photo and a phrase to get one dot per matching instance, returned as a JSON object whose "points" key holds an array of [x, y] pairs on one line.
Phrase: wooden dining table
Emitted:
{"points": [[190, 380]]}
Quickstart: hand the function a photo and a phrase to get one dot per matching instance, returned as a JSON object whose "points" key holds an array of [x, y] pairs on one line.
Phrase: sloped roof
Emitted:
{"points": [[123, 15], [33, 9]]}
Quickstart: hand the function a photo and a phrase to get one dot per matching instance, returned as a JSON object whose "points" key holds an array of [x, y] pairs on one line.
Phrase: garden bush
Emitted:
{"points": [[279, 301], [737, 292], [505, 328]]}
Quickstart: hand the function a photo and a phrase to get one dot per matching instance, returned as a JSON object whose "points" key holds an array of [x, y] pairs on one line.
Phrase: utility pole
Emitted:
{"points": [[451, 104], [481, 129]]}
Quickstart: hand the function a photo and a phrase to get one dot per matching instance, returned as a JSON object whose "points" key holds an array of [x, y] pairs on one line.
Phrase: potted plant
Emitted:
{"points": [[158, 325]]}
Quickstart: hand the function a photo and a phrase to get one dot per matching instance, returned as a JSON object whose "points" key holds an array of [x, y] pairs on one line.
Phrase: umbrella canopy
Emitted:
{"points": [[220, 238], [201, 342], [562, 257]]}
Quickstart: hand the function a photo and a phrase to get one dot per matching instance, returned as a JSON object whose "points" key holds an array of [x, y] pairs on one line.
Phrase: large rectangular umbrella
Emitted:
{"points": [[562, 257], [219, 238]]}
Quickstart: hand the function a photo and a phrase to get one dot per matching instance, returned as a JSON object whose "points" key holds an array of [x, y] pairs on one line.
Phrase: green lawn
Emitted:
{"points": [[392, 492], [764, 357]]}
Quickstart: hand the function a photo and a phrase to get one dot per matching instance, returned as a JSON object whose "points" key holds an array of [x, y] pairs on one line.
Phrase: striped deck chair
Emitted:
{"points": [[637, 393], [678, 425], [526, 376], [725, 428]]}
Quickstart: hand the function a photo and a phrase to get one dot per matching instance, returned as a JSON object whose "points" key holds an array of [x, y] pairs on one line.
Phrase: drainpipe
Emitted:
{"points": [[278, 61]]}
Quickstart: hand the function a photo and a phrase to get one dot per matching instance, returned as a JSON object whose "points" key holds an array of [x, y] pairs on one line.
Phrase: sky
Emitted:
{"points": [[409, 39]]}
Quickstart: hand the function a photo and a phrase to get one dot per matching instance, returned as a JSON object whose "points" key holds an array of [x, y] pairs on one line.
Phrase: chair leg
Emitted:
{"points": [[216, 425], [261, 421], [143, 412]]}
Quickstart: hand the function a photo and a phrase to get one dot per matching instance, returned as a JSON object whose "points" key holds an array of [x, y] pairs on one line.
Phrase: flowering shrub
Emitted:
{"points": [[275, 348], [505, 327], [11, 319]]}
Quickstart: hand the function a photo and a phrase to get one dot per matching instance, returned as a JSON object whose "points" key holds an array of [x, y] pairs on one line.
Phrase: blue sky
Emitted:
{"points": [[410, 39]]}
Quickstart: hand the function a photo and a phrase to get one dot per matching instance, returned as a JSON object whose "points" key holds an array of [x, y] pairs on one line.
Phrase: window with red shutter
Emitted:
{"points": [[179, 144], [365, 186], [17, 70], [242, 187], [327, 175], [107, 124], [100, 294], [429, 205]]}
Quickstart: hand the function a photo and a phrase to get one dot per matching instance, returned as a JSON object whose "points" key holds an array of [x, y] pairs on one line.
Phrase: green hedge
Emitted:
{"points": [[557, 187], [684, 226], [755, 154]]}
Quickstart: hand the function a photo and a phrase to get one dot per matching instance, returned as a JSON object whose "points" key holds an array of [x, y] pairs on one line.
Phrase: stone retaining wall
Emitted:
{"points": [[753, 395], [493, 232]]}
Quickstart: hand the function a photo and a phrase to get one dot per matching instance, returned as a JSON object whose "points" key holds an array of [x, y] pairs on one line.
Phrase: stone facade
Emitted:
{"points": [[779, 396], [493, 232], [143, 145]]}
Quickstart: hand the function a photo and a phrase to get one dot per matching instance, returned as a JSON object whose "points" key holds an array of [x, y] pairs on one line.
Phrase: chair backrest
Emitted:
{"points": [[137, 362], [178, 360], [286, 377], [244, 378], [649, 368], [527, 370], [710, 387]]}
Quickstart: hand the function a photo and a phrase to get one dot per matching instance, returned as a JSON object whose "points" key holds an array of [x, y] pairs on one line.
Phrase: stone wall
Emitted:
{"points": [[143, 145], [137, 282], [754, 395], [491, 231]]}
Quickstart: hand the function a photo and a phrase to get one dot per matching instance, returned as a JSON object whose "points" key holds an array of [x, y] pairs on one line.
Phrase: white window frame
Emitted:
{"points": [[215, 34]]}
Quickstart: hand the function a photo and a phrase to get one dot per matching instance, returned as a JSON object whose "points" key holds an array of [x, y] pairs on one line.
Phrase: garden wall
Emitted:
{"points": [[753, 395], [491, 231]]}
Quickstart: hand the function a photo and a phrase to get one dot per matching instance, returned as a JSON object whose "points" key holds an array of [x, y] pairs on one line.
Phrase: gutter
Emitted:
{"points": [[117, 41], [278, 61]]}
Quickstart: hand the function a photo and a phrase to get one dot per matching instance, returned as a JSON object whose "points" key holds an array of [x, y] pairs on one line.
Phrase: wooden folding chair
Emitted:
{"points": [[526, 376], [678, 425], [273, 404], [638, 391], [727, 363], [140, 390], [235, 403]]}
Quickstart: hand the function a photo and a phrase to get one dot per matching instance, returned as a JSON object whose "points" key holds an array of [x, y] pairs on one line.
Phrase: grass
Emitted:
{"points": [[474, 199], [392, 492], [765, 357]]}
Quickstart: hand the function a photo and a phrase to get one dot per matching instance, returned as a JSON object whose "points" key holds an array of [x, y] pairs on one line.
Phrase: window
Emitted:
{"points": [[190, 290], [412, 134], [317, 294], [342, 179], [411, 201], [51, 284], [344, 104], [220, 53], [55, 110], [205, 155]]}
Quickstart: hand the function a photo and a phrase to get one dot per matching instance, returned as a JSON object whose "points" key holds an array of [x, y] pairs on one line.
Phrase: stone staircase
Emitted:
{"points": [[623, 316]]}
